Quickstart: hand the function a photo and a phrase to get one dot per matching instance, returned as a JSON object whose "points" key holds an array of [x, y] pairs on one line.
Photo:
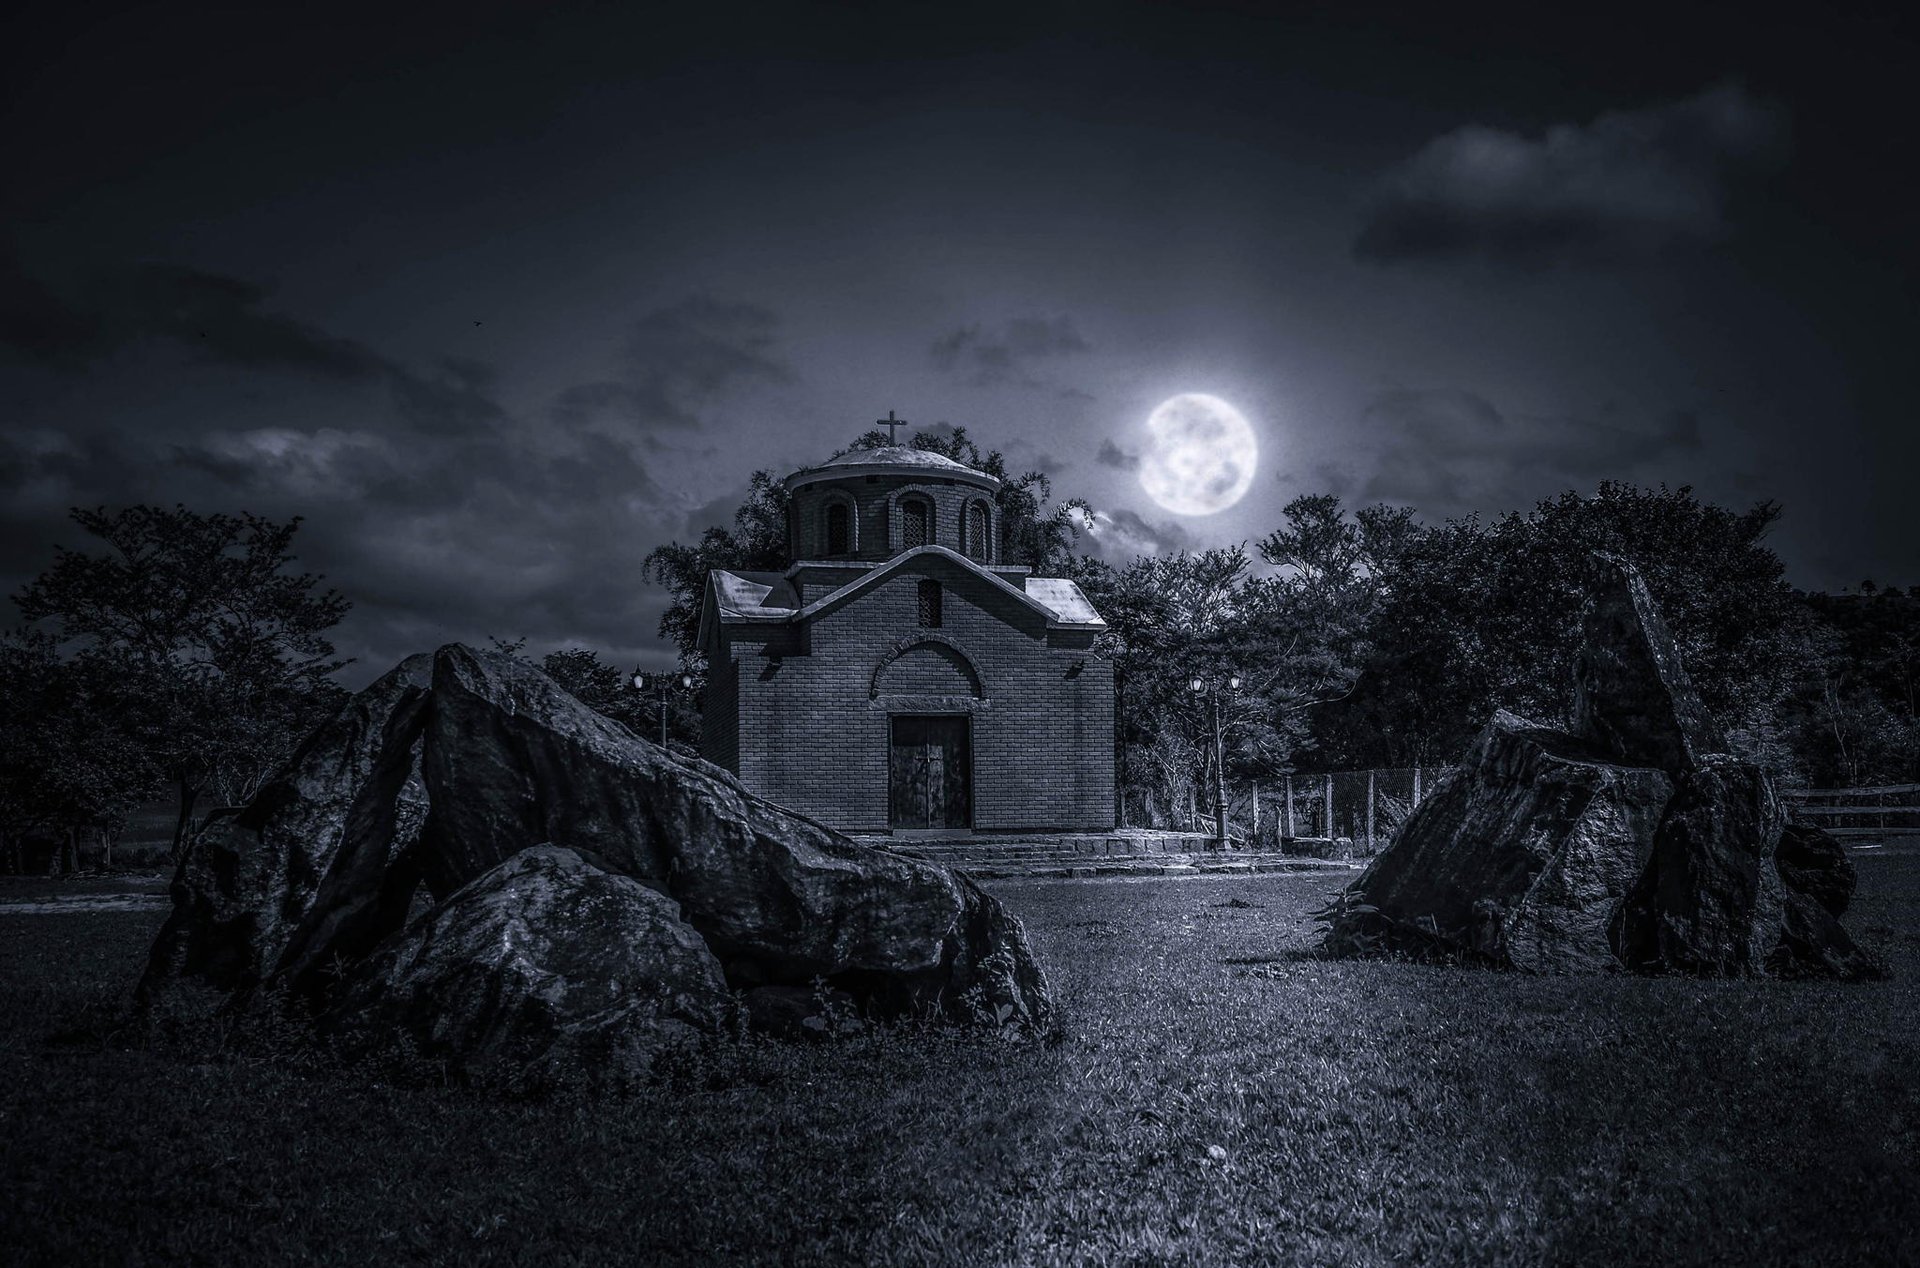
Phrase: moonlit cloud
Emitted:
{"points": [[1626, 184], [1120, 536]]}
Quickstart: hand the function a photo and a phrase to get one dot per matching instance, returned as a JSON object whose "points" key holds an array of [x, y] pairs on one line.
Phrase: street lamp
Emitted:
{"points": [[662, 684], [1213, 691]]}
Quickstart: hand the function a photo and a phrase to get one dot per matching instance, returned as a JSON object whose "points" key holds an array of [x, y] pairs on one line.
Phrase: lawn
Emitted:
{"points": [[1219, 1096]]}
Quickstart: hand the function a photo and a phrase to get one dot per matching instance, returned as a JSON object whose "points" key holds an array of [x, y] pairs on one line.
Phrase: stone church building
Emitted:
{"points": [[899, 676]]}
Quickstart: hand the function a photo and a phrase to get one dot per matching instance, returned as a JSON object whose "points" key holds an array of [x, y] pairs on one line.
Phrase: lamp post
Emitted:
{"points": [[662, 684], [1213, 690]]}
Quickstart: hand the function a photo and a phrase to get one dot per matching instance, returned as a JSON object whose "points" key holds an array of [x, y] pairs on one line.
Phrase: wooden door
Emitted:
{"points": [[929, 775]]}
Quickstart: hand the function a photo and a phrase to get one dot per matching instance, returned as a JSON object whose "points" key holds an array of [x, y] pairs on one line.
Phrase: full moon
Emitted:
{"points": [[1200, 455]]}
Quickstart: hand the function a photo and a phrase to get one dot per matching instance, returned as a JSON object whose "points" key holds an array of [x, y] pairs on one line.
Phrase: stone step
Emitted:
{"points": [[1044, 864]]}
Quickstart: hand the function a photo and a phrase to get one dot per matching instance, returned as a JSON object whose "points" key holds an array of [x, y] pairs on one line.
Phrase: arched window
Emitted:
{"points": [[916, 523], [930, 604], [978, 546], [839, 534]]}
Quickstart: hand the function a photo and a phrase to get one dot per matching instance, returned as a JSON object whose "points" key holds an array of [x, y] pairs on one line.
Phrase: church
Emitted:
{"points": [[899, 677]]}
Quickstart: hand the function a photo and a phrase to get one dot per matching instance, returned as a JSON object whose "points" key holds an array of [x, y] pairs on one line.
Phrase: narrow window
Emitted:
{"points": [[930, 604], [977, 544], [837, 534], [914, 527]]}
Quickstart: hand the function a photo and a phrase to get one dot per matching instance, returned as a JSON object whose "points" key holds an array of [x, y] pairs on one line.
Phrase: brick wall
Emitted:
{"points": [[813, 723]]}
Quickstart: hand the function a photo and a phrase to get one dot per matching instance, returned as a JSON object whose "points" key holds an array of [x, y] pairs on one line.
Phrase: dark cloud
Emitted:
{"points": [[1010, 352], [1449, 451], [221, 320], [677, 360], [439, 513], [1626, 184], [1112, 455]]}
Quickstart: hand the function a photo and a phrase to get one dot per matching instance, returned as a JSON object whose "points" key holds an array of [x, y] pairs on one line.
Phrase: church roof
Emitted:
{"points": [[769, 596], [894, 460], [1065, 599], [753, 596], [896, 456]]}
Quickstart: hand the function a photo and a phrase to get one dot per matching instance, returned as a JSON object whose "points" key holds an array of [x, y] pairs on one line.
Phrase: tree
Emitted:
{"points": [[1474, 617], [70, 760], [598, 685], [1201, 615], [218, 657], [1853, 720], [756, 542]]}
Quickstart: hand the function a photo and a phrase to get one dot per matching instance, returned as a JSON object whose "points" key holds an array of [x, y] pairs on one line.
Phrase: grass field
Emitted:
{"points": [[1220, 1096]]}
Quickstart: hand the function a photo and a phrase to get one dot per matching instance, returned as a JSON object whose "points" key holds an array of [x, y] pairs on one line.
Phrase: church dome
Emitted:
{"points": [[899, 460], [869, 505]]}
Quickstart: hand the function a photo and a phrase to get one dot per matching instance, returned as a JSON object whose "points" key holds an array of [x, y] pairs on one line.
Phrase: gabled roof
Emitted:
{"points": [[756, 597]]}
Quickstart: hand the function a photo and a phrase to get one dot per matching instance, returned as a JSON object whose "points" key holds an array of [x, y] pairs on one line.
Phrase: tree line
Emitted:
{"points": [[180, 659]]}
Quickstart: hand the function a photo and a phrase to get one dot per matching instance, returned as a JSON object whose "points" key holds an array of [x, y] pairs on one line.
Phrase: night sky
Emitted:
{"points": [[499, 298]]}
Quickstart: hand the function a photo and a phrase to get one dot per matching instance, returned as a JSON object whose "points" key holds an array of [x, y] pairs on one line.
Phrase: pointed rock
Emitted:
{"points": [[316, 866], [1710, 902], [1632, 696]]}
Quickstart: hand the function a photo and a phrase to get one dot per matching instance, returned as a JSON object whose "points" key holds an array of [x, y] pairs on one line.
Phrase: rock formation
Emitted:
{"points": [[542, 812], [543, 962], [318, 865], [1633, 841]]}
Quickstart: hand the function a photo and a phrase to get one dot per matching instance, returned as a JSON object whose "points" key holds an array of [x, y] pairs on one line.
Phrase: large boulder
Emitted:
{"points": [[1814, 863], [1631, 695], [646, 857], [1710, 901], [1817, 880], [1632, 842], [1517, 859], [780, 898], [542, 966], [316, 868]]}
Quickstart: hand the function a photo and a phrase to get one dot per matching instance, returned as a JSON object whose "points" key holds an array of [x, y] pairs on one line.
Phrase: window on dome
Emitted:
{"points": [[978, 547], [839, 538], [916, 523]]}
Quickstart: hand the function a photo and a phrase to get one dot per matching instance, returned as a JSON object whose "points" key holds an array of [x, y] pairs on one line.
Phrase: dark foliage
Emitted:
{"points": [[203, 659]]}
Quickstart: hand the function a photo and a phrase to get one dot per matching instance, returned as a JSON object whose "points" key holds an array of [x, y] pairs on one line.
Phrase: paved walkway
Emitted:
{"points": [[66, 904]]}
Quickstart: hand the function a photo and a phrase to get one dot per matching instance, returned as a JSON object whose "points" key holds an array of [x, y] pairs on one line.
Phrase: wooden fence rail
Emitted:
{"points": [[1893, 809]]}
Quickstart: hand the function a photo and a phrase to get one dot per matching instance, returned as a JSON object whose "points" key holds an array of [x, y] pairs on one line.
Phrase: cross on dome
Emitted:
{"points": [[891, 423]]}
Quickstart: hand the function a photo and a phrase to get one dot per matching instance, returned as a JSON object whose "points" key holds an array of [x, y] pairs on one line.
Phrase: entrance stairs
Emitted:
{"points": [[1126, 852]]}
